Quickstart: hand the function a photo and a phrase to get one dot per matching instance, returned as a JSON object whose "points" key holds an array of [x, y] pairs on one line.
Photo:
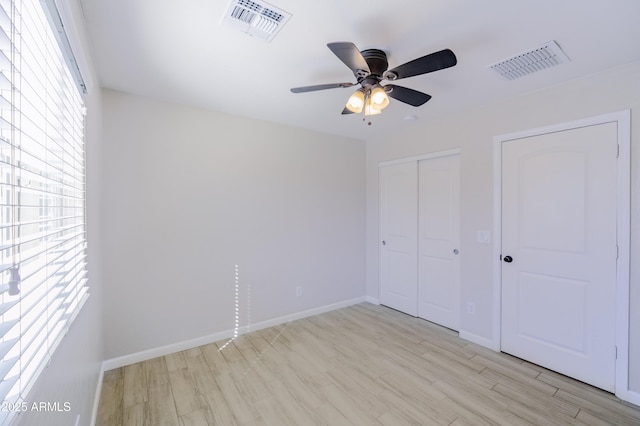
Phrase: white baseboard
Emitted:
{"points": [[96, 399], [372, 300], [630, 396], [479, 340], [148, 354], [145, 355]]}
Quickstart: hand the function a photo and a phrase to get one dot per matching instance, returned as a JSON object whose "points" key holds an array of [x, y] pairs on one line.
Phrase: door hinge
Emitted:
{"points": [[615, 348], [618, 151]]}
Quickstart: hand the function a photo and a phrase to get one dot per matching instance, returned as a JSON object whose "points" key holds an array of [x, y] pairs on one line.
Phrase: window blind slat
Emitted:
{"points": [[9, 382], [6, 326], [6, 346], [4, 307]]}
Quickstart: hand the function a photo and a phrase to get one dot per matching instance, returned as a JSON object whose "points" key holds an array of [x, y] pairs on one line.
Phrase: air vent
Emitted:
{"points": [[546, 56], [259, 19]]}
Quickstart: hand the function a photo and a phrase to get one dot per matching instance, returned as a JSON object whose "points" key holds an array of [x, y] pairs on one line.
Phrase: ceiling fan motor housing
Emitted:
{"points": [[377, 61]]}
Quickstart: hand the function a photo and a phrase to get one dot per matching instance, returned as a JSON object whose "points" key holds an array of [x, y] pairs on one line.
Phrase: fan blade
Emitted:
{"points": [[349, 54], [429, 63], [346, 111], [406, 95], [320, 87]]}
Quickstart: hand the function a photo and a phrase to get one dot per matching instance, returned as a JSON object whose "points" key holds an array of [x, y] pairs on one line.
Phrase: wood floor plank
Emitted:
{"points": [[297, 412], [217, 362], [134, 415], [536, 399], [411, 387], [304, 391], [175, 361], [348, 407], [135, 385], [111, 406], [398, 417], [464, 415], [361, 365], [161, 409], [408, 412], [618, 415], [156, 372], [251, 384], [589, 419], [537, 408], [274, 413], [311, 373], [328, 415], [508, 366], [239, 405], [199, 417], [350, 382], [479, 401], [185, 392], [203, 377], [231, 354], [221, 414]]}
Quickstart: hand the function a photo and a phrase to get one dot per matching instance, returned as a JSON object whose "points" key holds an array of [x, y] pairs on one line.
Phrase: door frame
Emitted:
{"points": [[419, 157], [623, 121]]}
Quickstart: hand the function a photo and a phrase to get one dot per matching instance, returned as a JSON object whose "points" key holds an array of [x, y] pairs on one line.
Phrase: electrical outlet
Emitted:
{"points": [[471, 308], [298, 291]]}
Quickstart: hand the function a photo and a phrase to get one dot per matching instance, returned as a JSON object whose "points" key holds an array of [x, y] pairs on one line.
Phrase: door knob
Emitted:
{"points": [[384, 243], [456, 251], [508, 259]]}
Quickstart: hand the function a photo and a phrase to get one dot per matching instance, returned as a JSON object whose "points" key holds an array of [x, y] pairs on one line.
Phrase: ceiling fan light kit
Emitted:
{"points": [[356, 101], [372, 102], [379, 98], [370, 109], [370, 67]]}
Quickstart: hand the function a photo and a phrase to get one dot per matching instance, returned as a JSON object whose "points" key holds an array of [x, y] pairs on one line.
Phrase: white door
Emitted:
{"points": [[439, 240], [559, 251], [398, 236]]}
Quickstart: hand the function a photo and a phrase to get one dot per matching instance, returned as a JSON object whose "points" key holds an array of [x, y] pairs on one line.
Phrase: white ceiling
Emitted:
{"points": [[179, 51]]}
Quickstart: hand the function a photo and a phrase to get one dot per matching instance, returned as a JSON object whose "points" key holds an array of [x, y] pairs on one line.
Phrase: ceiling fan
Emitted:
{"points": [[370, 68]]}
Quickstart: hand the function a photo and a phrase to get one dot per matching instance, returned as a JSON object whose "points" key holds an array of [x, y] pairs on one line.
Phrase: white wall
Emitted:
{"points": [[191, 193], [473, 130], [72, 374]]}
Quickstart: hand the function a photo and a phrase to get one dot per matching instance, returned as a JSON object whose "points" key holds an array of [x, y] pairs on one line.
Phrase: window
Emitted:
{"points": [[42, 196]]}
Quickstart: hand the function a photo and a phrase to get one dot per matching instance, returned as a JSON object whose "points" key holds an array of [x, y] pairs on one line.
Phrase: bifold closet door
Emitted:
{"points": [[439, 240], [398, 236]]}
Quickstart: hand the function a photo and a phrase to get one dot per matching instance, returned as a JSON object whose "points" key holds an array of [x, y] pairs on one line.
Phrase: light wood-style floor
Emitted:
{"points": [[361, 365]]}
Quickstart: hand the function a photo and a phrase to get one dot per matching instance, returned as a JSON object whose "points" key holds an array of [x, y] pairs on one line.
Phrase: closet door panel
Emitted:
{"points": [[398, 237], [439, 240]]}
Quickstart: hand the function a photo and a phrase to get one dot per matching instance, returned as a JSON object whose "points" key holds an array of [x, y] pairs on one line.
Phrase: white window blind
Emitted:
{"points": [[42, 197]]}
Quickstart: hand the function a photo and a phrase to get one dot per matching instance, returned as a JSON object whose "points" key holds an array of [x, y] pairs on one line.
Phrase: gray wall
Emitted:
{"points": [[473, 131], [191, 193]]}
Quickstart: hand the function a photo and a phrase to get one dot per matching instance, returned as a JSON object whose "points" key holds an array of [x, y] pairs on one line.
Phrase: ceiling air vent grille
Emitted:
{"points": [[546, 56], [259, 19]]}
